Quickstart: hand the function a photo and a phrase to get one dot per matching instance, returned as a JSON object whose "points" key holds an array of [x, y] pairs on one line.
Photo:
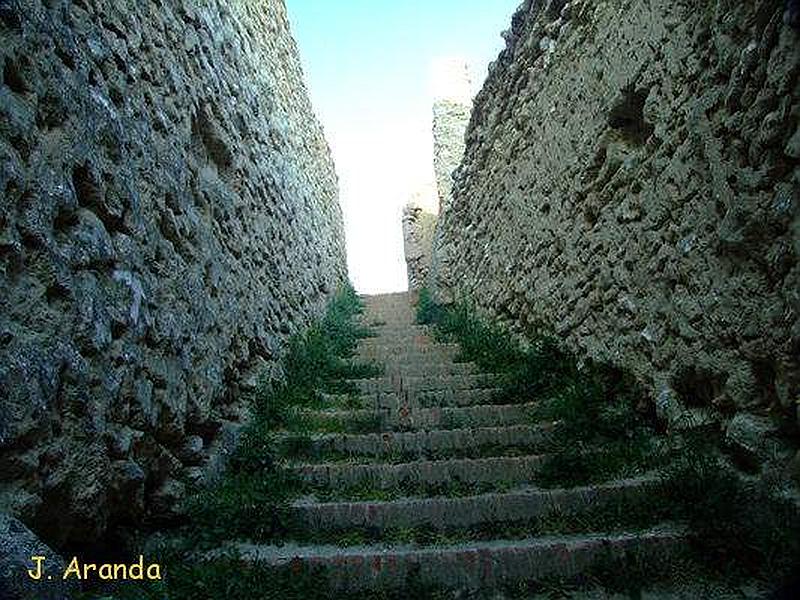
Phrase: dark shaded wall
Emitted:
{"points": [[169, 216]]}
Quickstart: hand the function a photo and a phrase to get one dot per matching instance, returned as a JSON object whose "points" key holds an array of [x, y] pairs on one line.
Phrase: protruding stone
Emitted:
{"points": [[192, 451], [165, 501], [127, 484], [794, 468], [754, 438]]}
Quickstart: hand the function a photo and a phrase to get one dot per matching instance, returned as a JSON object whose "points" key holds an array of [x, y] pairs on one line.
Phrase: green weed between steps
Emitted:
{"points": [[525, 373], [302, 448], [617, 515], [739, 529], [320, 422], [742, 528], [375, 490], [594, 406]]}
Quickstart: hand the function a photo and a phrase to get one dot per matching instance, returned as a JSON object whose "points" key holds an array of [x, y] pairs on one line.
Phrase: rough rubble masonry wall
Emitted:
{"points": [[451, 111], [450, 120], [418, 228], [631, 183], [169, 217]]}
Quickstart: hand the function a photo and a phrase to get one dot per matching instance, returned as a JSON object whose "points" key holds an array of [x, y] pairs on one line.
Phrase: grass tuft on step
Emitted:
{"points": [[525, 372], [255, 485], [594, 406], [741, 528]]}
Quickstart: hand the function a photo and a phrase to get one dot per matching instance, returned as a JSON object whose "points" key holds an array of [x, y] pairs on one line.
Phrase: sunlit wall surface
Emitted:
{"points": [[371, 67]]}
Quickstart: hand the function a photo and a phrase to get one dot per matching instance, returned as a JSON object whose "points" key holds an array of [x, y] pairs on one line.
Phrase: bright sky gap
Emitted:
{"points": [[370, 69]]}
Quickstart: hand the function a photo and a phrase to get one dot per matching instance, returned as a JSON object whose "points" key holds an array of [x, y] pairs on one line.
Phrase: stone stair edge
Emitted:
{"points": [[291, 551]]}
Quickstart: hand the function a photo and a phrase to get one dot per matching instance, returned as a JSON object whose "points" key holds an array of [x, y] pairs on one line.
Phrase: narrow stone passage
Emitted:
{"points": [[428, 484]]}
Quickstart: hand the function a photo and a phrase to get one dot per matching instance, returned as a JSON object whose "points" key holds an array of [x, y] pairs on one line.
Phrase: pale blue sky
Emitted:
{"points": [[367, 64]]}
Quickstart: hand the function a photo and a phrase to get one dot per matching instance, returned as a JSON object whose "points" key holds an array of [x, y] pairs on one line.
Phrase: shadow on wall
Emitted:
{"points": [[169, 216]]}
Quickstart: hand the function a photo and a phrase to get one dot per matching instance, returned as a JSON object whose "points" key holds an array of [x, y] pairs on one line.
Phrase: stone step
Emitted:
{"points": [[376, 343], [399, 330], [421, 399], [443, 398], [398, 358], [505, 469], [470, 566], [431, 368], [428, 382], [441, 514], [484, 415], [392, 318], [394, 300], [406, 417], [410, 341], [450, 382], [418, 383], [419, 444], [377, 385], [405, 353]]}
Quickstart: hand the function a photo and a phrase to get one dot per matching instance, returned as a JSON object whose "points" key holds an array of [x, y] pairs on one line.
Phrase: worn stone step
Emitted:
{"points": [[449, 382], [504, 469], [405, 353], [401, 331], [395, 329], [426, 368], [410, 341], [389, 319], [377, 384], [377, 345], [428, 382], [419, 444], [405, 359], [452, 382], [485, 415], [470, 566], [443, 513], [406, 417], [430, 369], [443, 398], [423, 399], [392, 300]]}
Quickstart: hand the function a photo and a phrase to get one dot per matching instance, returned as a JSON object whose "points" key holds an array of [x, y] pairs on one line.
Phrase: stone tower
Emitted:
{"points": [[419, 224], [451, 111]]}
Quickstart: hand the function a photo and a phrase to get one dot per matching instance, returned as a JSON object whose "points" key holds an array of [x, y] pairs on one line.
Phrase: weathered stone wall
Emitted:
{"points": [[451, 111], [418, 228], [450, 119], [631, 183], [169, 216]]}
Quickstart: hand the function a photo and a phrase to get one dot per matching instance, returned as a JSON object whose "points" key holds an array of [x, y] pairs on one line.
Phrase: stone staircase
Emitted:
{"points": [[439, 482]]}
